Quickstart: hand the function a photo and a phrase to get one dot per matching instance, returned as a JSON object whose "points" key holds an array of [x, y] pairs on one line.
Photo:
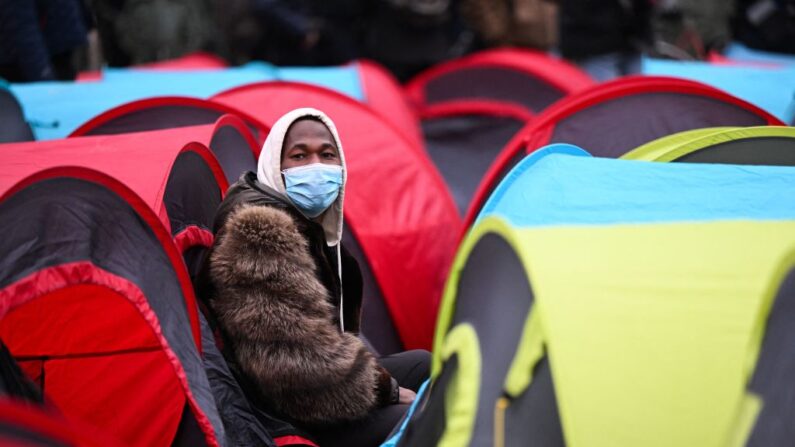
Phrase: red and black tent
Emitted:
{"points": [[173, 171], [384, 94], [96, 306], [236, 140], [401, 219], [531, 79], [613, 118]]}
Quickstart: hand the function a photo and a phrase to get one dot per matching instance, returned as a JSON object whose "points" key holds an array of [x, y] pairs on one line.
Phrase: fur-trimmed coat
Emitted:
{"points": [[278, 320]]}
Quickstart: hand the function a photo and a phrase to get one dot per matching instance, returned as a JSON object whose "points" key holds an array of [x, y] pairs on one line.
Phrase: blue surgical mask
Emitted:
{"points": [[313, 188]]}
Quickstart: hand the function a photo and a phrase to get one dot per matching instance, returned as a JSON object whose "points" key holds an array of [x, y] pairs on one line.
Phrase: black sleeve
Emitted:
{"points": [[351, 290]]}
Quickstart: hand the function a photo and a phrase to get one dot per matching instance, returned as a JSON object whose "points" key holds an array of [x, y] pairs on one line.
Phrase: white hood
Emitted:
{"points": [[269, 168]]}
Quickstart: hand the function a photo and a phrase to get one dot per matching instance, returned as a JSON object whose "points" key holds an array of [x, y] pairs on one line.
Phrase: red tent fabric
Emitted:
{"points": [[397, 205], [167, 112], [613, 118], [25, 425], [193, 61], [384, 94], [235, 140], [142, 161], [529, 78], [98, 307]]}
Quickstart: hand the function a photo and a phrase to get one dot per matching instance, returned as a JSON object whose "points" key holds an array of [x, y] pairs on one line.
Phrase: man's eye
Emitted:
{"points": [[330, 155], [297, 156]]}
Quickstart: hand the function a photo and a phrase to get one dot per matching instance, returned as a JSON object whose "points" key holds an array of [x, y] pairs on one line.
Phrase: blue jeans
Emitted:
{"points": [[605, 67]]}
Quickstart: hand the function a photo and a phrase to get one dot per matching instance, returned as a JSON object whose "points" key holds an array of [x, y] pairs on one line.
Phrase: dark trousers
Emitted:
{"points": [[410, 369]]}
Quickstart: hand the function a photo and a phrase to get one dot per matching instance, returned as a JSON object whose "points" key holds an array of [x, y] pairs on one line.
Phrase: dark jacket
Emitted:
{"points": [[595, 27], [271, 284]]}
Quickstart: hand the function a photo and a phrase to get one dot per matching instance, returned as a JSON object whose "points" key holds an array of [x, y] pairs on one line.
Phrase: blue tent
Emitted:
{"points": [[55, 109], [769, 88], [563, 185], [740, 52]]}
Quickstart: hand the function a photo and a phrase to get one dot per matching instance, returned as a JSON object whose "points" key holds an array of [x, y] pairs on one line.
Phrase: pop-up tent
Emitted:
{"points": [[173, 171], [736, 51], [615, 117], [231, 139], [58, 108], [13, 126], [625, 301], [379, 90], [97, 307], [401, 219], [384, 94], [768, 145], [530, 79], [193, 61], [464, 137], [769, 88], [166, 112]]}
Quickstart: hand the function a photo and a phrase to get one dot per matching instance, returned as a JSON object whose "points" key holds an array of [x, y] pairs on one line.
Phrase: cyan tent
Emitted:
{"points": [[55, 109], [563, 185], [769, 88], [608, 302], [740, 52]]}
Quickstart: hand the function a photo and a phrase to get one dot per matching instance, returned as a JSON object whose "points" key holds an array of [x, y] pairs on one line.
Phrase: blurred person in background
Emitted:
{"points": [[310, 32], [691, 29], [767, 25], [408, 36], [605, 37], [520, 23], [140, 31], [40, 40]]}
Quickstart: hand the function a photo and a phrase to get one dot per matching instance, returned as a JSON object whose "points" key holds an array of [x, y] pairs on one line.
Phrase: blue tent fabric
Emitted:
{"points": [[55, 109], [344, 79], [397, 435], [769, 88], [561, 185], [740, 52]]}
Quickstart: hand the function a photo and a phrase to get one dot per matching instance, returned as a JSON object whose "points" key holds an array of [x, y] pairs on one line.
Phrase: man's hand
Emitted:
{"points": [[406, 396]]}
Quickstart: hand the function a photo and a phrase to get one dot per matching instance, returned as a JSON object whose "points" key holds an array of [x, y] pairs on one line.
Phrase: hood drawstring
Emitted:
{"points": [[342, 295]]}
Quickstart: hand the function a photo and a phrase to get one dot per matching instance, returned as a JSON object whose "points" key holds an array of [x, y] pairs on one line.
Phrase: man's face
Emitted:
{"points": [[308, 142]]}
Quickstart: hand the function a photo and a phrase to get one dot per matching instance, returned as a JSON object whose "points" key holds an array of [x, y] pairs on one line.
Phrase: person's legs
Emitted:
{"points": [[367, 432], [603, 67], [409, 368]]}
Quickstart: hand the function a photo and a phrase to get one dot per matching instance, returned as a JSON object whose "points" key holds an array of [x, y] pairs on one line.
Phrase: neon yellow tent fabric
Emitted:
{"points": [[652, 330], [675, 146]]}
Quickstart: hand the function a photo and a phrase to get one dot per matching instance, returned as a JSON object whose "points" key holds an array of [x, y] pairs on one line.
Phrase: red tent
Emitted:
{"points": [[193, 61], [25, 425], [399, 213], [613, 118], [97, 307], [384, 94], [235, 141], [173, 171], [528, 78]]}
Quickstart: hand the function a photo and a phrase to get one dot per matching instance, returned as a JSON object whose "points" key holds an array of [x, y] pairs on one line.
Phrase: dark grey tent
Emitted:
{"points": [[464, 138], [13, 127], [530, 79]]}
